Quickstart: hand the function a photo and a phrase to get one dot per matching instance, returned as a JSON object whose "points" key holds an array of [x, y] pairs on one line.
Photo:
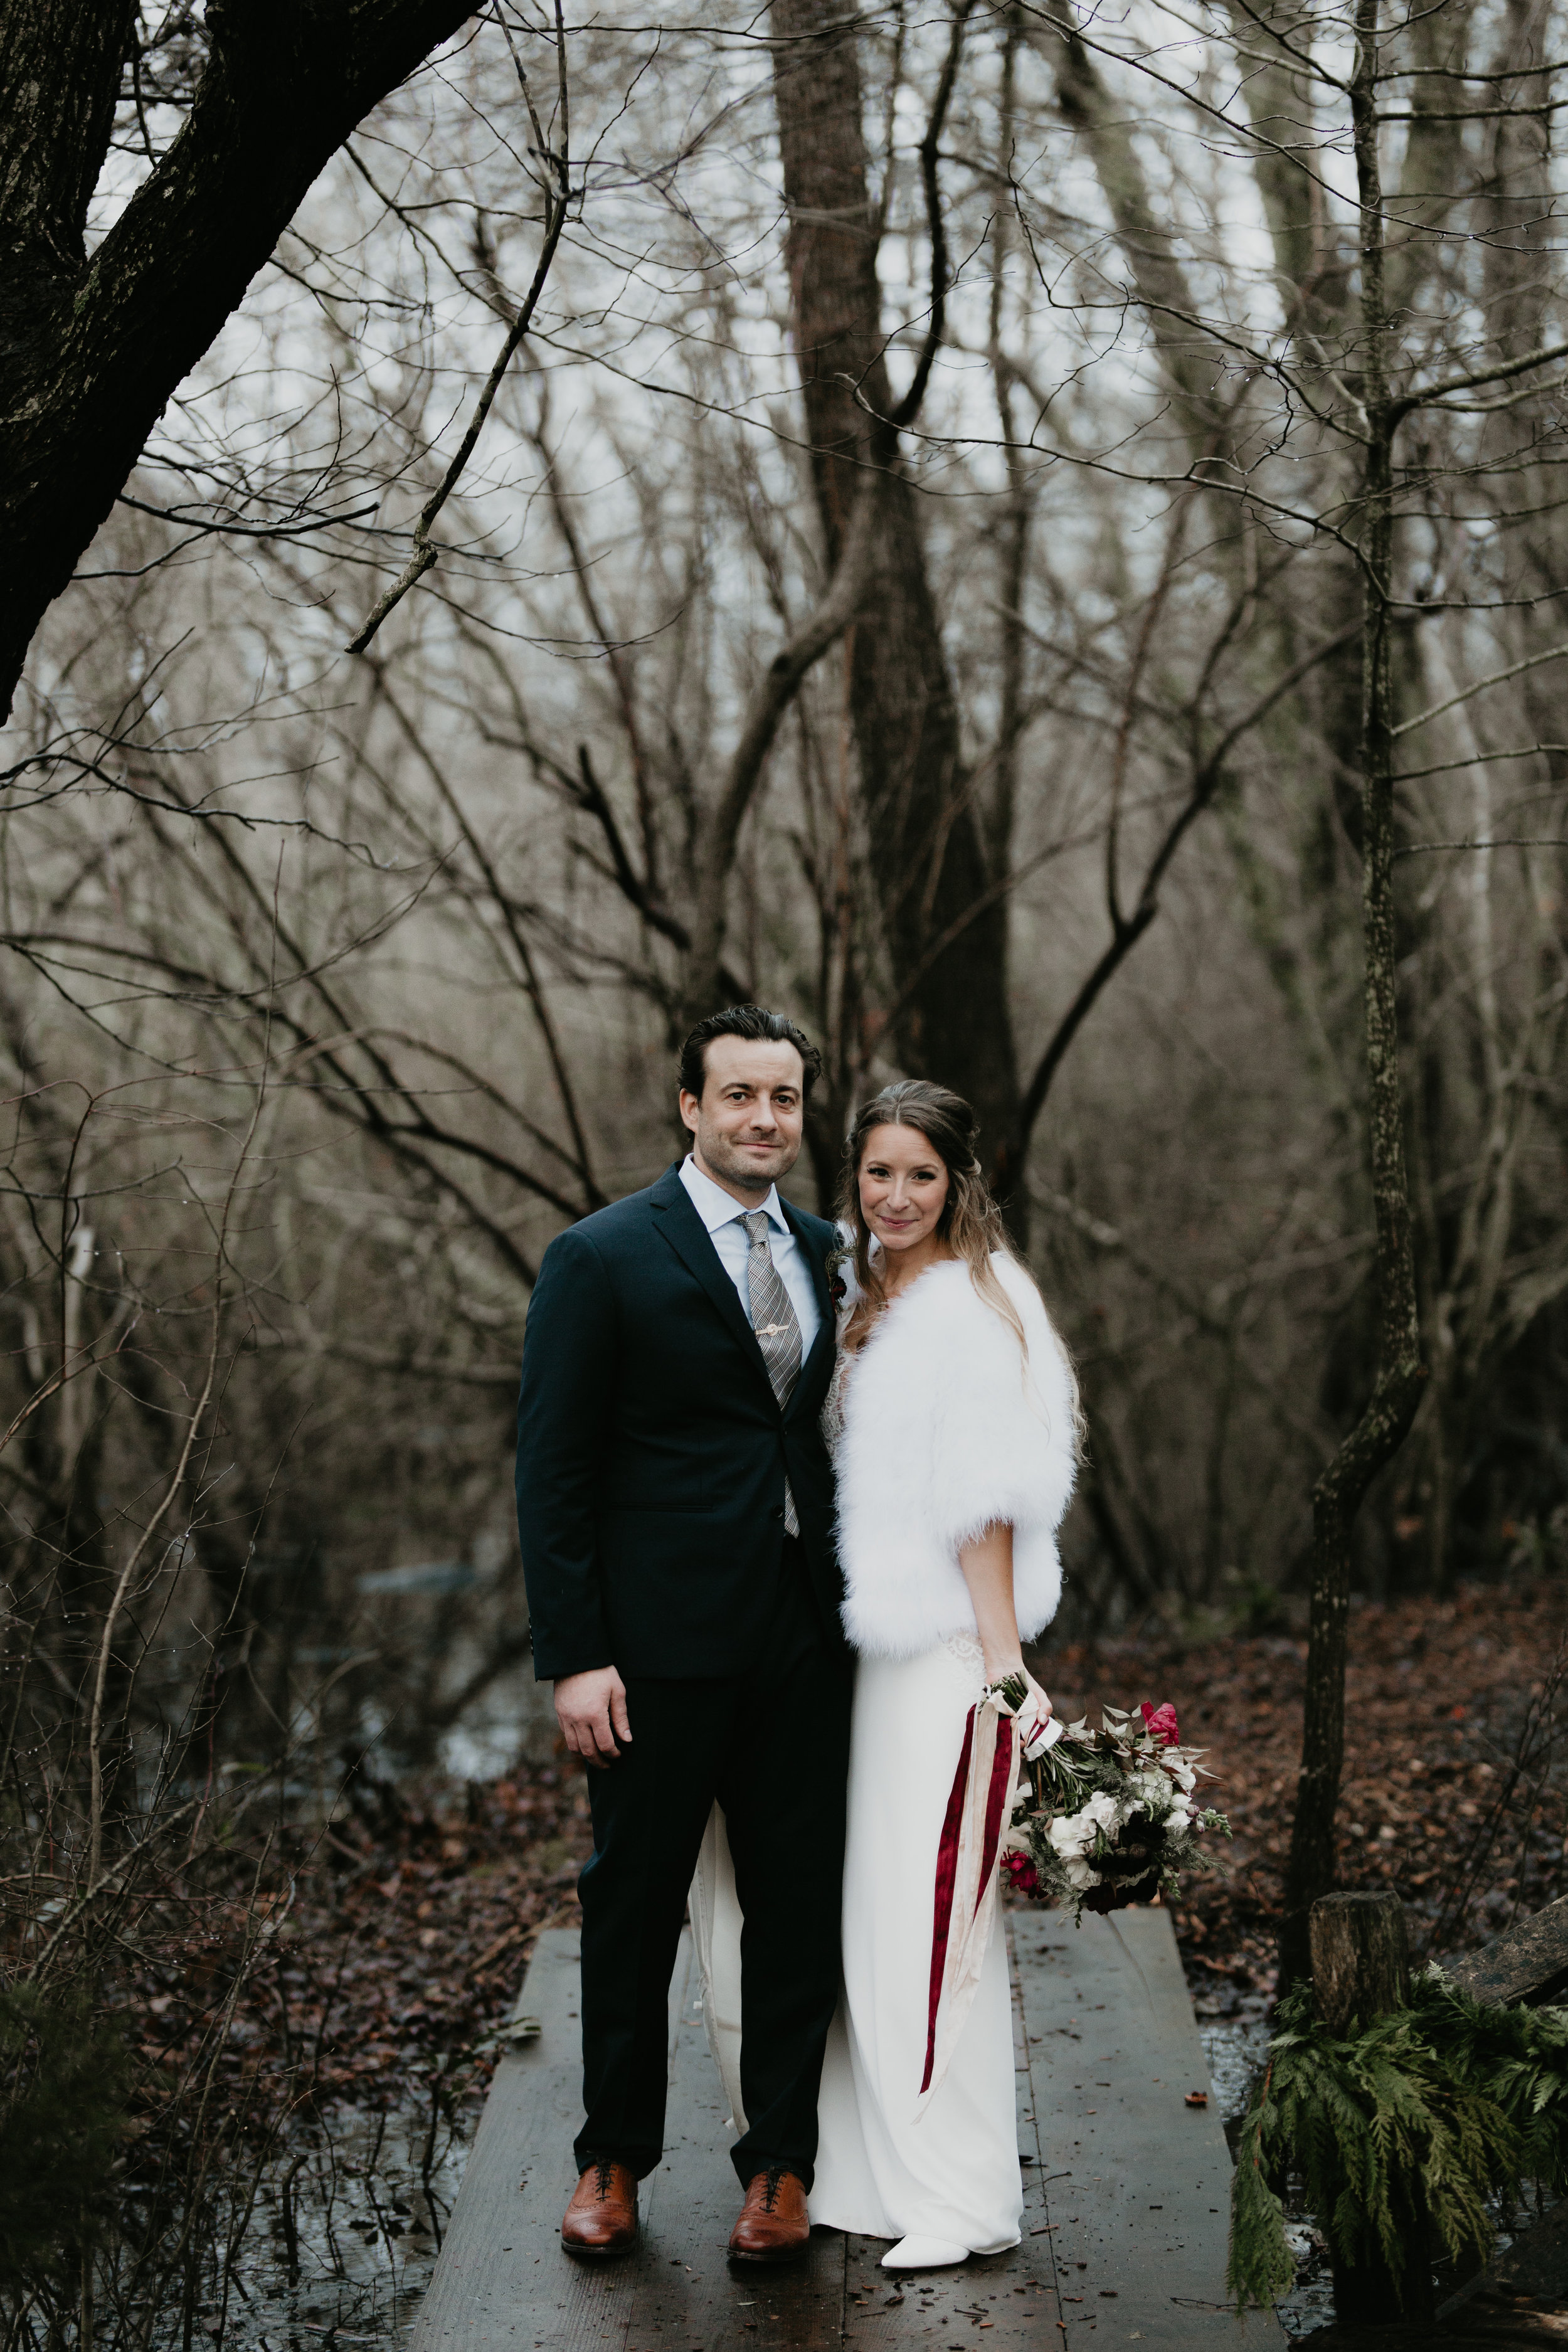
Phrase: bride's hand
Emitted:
{"points": [[1018, 1671], [1036, 1701], [1034, 1714], [1042, 1702]]}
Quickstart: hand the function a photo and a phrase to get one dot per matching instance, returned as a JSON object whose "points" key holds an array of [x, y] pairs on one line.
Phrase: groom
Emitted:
{"points": [[675, 1502]]}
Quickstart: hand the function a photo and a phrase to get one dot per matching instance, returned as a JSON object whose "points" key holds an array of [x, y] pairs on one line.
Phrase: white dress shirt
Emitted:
{"points": [[722, 1213]]}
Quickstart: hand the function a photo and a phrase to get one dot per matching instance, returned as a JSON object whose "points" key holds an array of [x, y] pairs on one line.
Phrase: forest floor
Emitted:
{"points": [[1456, 1782], [395, 1941], [338, 2003], [411, 1917]]}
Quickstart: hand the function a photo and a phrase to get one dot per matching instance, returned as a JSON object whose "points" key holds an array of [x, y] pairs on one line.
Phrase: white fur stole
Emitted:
{"points": [[947, 1432]]}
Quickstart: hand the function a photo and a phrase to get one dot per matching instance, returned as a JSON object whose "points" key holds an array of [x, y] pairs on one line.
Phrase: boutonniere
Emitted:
{"points": [[834, 1265]]}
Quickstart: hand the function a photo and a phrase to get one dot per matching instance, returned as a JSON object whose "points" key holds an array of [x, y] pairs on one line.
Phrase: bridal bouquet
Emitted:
{"points": [[1102, 1819]]}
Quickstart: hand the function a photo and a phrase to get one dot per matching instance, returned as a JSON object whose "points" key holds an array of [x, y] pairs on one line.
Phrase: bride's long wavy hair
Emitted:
{"points": [[970, 1223]]}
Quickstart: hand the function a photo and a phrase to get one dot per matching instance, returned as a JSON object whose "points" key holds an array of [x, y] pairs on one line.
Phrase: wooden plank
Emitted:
{"points": [[1528, 1963], [502, 2282], [1138, 2182], [501, 2253], [1011, 2297], [687, 2297], [1134, 2192]]}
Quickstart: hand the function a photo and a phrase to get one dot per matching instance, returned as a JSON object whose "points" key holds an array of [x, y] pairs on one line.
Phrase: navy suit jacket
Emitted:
{"points": [[652, 1450]]}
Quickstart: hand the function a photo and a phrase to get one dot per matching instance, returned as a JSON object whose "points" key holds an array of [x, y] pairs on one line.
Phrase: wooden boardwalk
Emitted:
{"points": [[1127, 2190]]}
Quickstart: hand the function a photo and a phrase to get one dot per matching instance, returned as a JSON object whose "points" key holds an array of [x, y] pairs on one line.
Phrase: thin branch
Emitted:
{"points": [[1401, 408], [1497, 677], [1510, 841], [1486, 759], [1129, 929], [176, 1479], [556, 203], [771, 697], [909, 407], [505, 907]]}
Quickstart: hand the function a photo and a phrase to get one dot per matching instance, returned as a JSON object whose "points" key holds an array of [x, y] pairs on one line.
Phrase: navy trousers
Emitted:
{"points": [[772, 1746]]}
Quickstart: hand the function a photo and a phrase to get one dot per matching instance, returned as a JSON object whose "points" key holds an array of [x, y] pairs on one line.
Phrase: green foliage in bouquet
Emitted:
{"points": [[1430, 2109], [1110, 1808], [1179, 1849]]}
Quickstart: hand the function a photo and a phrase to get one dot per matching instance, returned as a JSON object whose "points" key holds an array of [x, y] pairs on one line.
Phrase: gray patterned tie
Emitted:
{"points": [[777, 1325]]}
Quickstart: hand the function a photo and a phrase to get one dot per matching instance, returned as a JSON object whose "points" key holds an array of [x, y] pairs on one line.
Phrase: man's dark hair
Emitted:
{"points": [[759, 1026]]}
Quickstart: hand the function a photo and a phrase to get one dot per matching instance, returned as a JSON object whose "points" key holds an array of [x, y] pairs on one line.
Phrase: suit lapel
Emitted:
{"points": [[689, 1237]]}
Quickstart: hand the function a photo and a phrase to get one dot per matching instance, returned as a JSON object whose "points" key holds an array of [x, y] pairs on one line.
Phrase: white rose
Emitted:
{"points": [[1070, 1834], [1075, 1833]]}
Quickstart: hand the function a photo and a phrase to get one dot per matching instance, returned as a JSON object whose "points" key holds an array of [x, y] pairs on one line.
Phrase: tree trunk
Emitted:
{"points": [[1193, 365], [1381, 1428], [92, 349], [1360, 1971], [1361, 1960], [946, 945]]}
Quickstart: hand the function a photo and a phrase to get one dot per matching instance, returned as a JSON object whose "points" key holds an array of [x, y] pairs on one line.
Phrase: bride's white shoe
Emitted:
{"points": [[925, 2255]]}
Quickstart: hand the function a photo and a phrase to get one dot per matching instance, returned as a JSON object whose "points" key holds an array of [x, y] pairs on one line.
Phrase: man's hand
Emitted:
{"points": [[591, 1709]]}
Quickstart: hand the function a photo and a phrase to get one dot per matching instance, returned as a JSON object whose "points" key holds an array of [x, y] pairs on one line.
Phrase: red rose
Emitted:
{"points": [[1160, 1722], [1020, 1874]]}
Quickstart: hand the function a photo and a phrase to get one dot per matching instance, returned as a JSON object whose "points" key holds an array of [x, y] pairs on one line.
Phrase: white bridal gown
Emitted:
{"points": [[887, 2165]]}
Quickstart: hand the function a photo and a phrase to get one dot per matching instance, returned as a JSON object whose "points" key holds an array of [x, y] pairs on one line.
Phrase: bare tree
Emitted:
{"points": [[925, 564], [96, 344], [946, 931]]}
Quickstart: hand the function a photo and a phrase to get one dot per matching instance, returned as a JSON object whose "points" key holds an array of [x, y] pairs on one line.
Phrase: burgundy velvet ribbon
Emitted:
{"points": [[996, 1797], [946, 1872]]}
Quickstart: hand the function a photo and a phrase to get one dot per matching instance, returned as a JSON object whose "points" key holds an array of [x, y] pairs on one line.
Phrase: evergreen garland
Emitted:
{"points": [[1430, 2109]]}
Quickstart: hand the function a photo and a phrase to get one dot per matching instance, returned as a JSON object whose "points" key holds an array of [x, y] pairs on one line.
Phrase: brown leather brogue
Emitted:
{"points": [[602, 2217], [774, 2225]]}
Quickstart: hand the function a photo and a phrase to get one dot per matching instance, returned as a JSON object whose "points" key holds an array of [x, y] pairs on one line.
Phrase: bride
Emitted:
{"points": [[954, 1420]]}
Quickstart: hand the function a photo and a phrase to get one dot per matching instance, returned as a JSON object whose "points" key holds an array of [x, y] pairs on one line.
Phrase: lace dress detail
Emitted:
{"points": [[832, 1422], [966, 1648]]}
